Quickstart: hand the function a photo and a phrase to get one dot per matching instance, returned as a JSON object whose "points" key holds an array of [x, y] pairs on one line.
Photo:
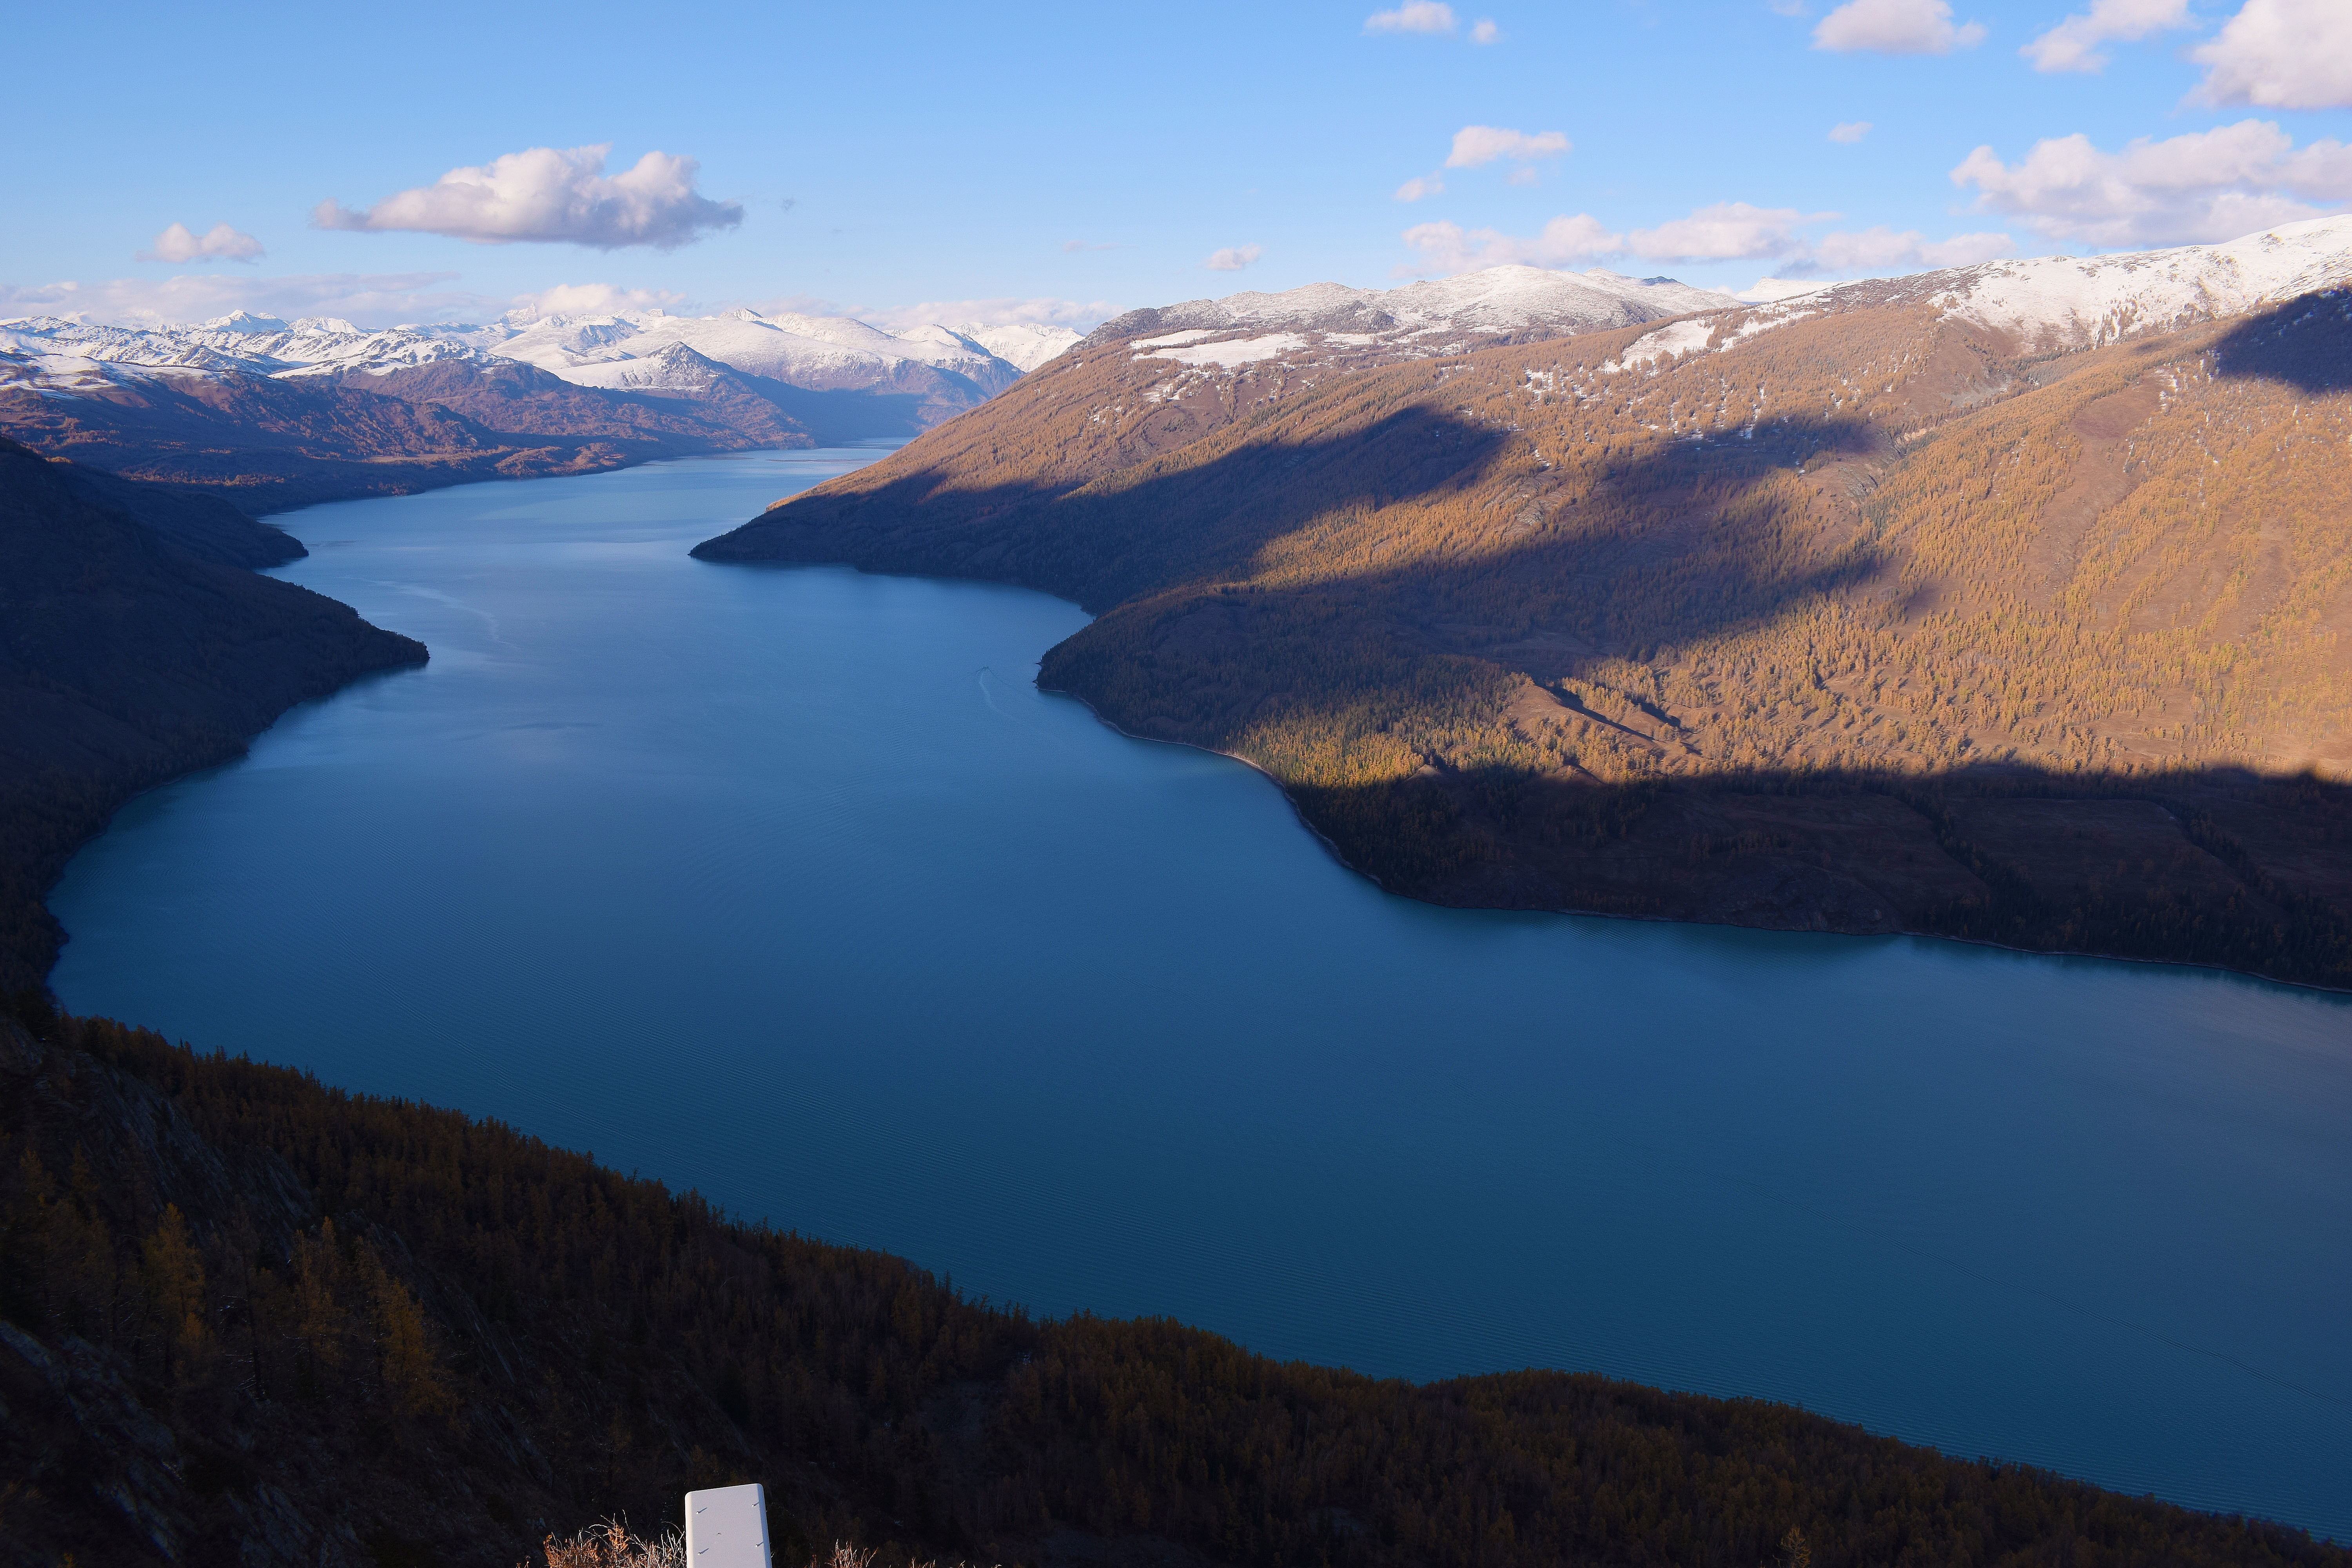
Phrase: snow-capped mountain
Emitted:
{"points": [[1025, 344], [632, 351], [2054, 302], [2065, 301], [831, 354], [1451, 315], [319, 407], [251, 345]]}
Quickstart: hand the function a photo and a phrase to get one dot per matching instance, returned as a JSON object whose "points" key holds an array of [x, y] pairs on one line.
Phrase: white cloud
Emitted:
{"points": [[1233, 258], [1882, 249], [1850, 132], [2281, 54], [1476, 144], [1420, 185], [1447, 248], [1486, 32], [1523, 177], [1003, 312], [553, 196], [179, 244], [595, 300], [1727, 231], [2205, 187], [1894, 27], [2072, 44], [370, 298], [1414, 16]]}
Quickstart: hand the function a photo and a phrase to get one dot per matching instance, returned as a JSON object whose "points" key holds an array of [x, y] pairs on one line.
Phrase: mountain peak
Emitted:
{"points": [[245, 322]]}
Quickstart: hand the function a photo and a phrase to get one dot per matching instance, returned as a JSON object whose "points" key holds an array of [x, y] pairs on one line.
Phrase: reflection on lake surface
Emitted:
{"points": [[788, 885]]}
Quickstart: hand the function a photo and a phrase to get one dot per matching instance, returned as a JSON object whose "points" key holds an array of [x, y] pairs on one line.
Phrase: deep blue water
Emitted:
{"points": [[787, 884]]}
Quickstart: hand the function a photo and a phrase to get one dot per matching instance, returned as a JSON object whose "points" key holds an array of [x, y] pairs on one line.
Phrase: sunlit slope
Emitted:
{"points": [[1863, 620]]}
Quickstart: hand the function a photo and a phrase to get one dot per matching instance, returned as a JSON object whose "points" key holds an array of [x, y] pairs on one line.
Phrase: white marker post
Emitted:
{"points": [[727, 1526]]}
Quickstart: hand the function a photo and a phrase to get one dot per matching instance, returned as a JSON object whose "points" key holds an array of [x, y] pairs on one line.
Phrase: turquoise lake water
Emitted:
{"points": [[787, 884]]}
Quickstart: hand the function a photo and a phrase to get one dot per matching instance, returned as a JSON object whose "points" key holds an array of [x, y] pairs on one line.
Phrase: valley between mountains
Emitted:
{"points": [[2009, 604]]}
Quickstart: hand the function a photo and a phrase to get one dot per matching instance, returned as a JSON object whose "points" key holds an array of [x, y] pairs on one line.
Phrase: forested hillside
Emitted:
{"points": [[245, 1319], [1862, 619], [136, 645]]}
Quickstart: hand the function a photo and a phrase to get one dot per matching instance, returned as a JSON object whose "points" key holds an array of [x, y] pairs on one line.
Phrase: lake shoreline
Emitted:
{"points": [[1337, 854], [717, 873]]}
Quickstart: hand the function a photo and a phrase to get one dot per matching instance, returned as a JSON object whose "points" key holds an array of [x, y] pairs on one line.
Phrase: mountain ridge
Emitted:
{"points": [[1791, 626]]}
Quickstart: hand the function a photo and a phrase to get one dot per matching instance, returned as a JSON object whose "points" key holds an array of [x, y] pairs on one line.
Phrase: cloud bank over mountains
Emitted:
{"points": [[382, 298], [2202, 187], [1724, 231], [550, 196]]}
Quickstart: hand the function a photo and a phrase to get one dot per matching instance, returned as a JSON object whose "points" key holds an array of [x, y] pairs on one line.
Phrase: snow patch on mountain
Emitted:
{"points": [[1675, 337], [1231, 352]]}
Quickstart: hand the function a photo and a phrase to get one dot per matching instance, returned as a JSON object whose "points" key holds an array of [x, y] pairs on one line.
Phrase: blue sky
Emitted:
{"points": [[1062, 161]]}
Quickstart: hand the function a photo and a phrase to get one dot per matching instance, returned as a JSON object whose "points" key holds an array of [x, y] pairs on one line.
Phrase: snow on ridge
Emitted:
{"points": [[1433, 316], [1772, 291], [2066, 301], [2063, 301], [2059, 301], [831, 351]]}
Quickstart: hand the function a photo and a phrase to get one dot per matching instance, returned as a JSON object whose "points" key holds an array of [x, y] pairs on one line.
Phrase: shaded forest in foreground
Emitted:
{"points": [[248, 1319]]}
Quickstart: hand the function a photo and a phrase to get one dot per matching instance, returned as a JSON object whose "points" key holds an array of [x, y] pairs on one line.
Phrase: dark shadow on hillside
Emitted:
{"points": [[126, 659], [1170, 531], [2306, 342], [2211, 865]]}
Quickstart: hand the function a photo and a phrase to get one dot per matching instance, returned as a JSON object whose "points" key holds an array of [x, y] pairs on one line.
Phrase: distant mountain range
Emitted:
{"points": [[291, 412], [2011, 602]]}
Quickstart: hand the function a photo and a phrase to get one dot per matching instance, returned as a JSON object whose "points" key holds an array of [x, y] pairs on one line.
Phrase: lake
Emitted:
{"points": [[787, 884]]}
